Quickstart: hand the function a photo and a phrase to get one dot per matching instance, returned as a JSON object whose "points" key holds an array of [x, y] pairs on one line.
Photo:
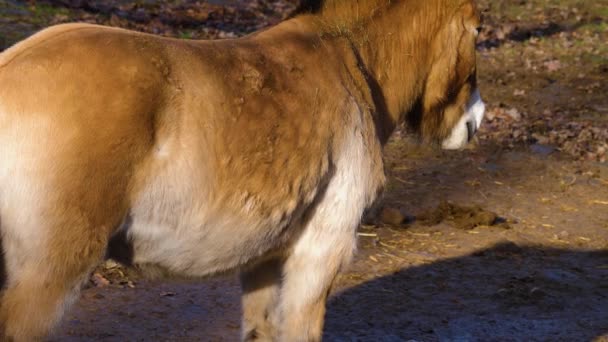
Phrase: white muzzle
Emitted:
{"points": [[468, 125]]}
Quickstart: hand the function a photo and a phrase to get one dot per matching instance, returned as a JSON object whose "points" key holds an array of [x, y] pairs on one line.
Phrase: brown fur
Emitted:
{"points": [[251, 135]]}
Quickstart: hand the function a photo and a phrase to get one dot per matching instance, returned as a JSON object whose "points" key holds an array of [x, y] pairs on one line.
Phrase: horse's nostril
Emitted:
{"points": [[471, 129]]}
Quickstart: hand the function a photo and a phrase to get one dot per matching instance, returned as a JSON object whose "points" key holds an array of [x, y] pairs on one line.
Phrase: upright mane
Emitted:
{"points": [[347, 14], [343, 8]]}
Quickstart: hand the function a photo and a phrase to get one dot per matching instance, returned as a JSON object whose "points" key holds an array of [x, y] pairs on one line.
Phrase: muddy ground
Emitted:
{"points": [[505, 241]]}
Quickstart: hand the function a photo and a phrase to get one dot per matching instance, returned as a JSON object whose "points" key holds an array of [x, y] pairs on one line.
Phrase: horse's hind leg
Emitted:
{"points": [[48, 259]]}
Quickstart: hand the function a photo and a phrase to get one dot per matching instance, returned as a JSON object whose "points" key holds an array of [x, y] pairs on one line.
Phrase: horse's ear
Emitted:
{"points": [[468, 9], [471, 16]]}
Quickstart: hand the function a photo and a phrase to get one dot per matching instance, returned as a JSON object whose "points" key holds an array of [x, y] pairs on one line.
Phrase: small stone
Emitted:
{"points": [[99, 280], [537, 293], [110, 264], [502, 293]]}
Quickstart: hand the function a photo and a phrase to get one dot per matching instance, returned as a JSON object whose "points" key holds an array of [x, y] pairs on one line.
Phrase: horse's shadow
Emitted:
{"points": [[504, 293]]}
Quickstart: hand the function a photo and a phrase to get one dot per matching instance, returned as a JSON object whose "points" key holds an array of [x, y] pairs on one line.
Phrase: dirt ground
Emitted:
{"points": [[504, 241]]}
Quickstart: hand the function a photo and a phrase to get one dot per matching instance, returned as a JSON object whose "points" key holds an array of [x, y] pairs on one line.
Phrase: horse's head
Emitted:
{"points": [[451, 109]]}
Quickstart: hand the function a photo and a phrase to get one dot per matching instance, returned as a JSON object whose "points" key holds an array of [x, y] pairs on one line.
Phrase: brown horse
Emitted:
{"points": [[257, 155]]}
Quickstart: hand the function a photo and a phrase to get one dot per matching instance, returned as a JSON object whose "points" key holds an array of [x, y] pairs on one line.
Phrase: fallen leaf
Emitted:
{"points": [[553, 65], [514, 114], [518, 92]]}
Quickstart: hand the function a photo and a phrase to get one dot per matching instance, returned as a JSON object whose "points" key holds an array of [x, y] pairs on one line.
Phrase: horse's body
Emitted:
{"points": [[256, 154]]}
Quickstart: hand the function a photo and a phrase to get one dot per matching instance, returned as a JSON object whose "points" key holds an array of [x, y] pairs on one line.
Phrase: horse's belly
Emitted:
{"points": [[192, 249], [180, 234]]}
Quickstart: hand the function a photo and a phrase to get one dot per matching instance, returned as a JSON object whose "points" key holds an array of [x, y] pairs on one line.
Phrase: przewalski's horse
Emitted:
{"points": [[256, 154]]}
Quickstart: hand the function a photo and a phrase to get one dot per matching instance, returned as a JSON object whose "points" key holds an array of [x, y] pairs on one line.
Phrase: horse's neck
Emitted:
{"points": [[391, 52]]}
